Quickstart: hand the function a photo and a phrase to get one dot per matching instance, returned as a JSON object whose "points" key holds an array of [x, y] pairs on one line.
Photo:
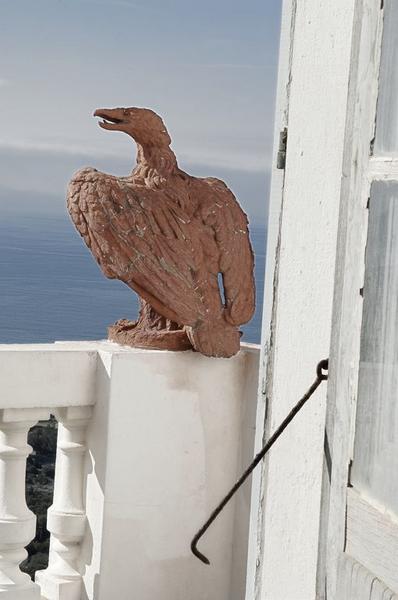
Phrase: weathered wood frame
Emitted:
{"points": [[372, 538], [312, 103], [343, 576], [253, 575]]}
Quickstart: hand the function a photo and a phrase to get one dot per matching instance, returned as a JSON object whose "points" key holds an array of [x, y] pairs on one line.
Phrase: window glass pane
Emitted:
{"points": [[387, 108], [375, 466]]}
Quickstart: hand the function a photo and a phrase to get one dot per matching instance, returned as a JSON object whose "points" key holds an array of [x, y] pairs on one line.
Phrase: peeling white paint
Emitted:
{"points": [[298, 333]]}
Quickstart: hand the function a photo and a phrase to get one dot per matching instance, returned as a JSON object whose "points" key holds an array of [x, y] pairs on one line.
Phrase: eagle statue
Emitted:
{"points": [[180, 242]]}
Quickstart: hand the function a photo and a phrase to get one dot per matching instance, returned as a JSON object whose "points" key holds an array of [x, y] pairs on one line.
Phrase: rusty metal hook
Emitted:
{"points": [[321, 375]]}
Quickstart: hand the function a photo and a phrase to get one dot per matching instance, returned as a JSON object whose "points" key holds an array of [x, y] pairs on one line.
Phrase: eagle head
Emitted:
{"points": [[143, 124]]}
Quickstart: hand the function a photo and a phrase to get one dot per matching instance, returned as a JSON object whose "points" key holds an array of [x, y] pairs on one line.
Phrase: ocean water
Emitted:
{"points": [[52, 289]]}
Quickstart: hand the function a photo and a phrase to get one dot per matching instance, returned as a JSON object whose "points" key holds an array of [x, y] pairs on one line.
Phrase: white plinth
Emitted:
{"points": [[165, 444]]}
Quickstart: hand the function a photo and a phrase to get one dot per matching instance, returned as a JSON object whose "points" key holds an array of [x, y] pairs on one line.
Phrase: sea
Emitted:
{"points": [[52, 289]]}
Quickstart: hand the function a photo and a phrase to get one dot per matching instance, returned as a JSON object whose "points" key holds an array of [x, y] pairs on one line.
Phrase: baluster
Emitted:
{"points": [[66, 518], [17, 522]]}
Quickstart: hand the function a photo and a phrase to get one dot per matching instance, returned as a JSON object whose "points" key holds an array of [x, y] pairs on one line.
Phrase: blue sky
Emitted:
{"points": [[209, 68]]}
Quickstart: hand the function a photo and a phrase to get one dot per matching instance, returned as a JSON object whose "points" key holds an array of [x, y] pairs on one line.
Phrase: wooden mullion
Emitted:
{"points": [[383, 168]]}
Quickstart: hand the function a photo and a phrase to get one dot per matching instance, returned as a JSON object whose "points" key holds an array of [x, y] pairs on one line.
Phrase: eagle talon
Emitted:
{"points": [[139, 335]]}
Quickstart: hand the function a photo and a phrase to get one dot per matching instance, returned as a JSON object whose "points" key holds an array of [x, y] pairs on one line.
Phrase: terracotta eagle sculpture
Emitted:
{"points": [[168, 236]]}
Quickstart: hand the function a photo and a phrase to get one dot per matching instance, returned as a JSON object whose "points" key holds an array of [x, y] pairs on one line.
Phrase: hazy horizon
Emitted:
{"points": [[209, 69]]}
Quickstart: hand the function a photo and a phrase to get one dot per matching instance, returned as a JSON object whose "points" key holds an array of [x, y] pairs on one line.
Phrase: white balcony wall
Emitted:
{"points": [[164, 435]]}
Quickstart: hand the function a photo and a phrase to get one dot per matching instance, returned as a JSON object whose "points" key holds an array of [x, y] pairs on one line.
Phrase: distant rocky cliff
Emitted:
{"points": [[39, 490]]}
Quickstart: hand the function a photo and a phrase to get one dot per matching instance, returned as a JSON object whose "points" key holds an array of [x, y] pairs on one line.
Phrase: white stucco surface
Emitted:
{"points": [[165, 444], [47, 375]]}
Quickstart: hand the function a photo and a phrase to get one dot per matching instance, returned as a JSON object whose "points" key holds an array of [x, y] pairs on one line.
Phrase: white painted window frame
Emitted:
{"points": [[360, 541], [312, 102], [372, 538], [255, 548], [346, 578]]}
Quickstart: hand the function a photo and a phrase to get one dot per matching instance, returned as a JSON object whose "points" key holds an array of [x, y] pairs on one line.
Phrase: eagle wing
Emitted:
{"points": [[236, 255], [147, 242]]}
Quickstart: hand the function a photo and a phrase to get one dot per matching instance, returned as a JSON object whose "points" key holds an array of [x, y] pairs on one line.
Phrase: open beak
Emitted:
{"points": [[112, 118]]}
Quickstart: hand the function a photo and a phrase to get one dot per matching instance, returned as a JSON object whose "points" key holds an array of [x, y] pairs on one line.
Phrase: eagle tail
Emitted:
{"points": [[218, 339]]}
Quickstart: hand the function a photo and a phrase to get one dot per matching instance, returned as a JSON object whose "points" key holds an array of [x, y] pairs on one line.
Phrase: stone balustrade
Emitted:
{"points": [[147, 444], [17, 522], [66, 519]]}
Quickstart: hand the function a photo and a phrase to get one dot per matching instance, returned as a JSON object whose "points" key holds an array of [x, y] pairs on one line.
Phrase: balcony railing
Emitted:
{"points": [[147, 444]]}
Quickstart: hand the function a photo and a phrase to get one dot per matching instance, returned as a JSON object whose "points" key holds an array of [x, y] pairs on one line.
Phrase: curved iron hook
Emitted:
{"points": [[321, 375]]}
